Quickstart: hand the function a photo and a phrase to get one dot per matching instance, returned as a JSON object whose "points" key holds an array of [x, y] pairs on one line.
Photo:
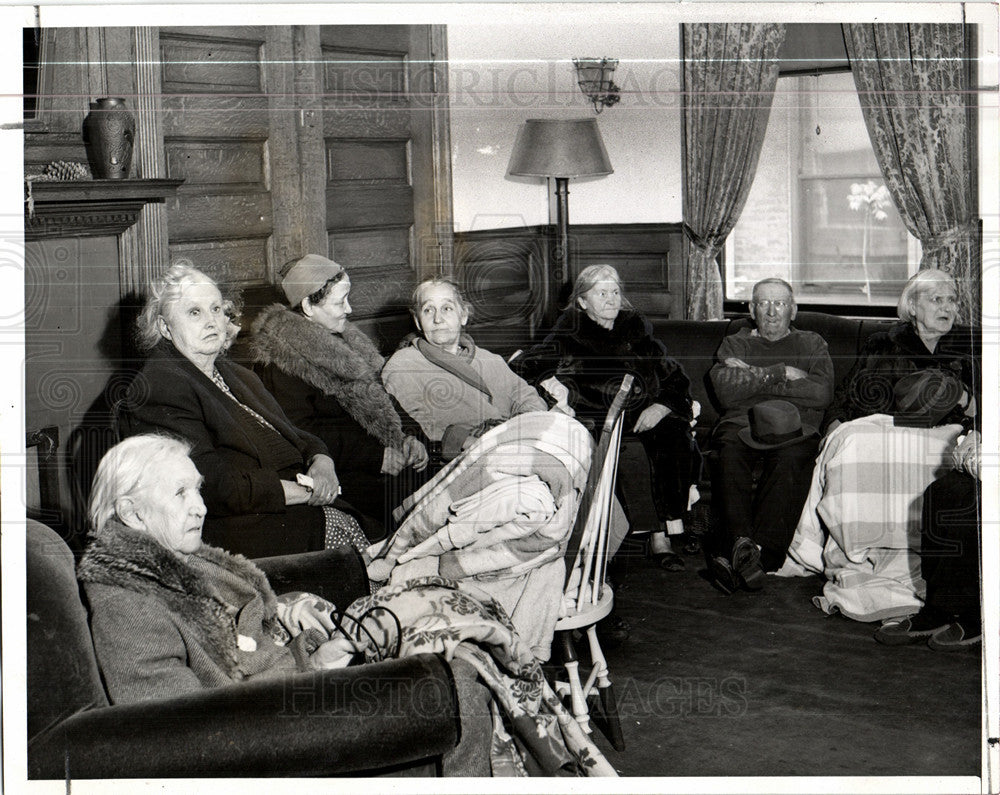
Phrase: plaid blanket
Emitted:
{"points": [[860, 526], [500, 516]]}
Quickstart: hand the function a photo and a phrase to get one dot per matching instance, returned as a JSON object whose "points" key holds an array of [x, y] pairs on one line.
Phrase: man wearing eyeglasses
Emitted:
{"points": [[773, 382]]}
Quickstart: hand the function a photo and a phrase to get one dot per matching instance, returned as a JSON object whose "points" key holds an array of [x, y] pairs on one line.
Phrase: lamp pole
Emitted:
{"points": [[561, 272]]}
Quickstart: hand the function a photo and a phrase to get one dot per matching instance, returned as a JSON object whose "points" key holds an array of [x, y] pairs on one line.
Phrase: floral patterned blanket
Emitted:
{"points": [[533, 733]]}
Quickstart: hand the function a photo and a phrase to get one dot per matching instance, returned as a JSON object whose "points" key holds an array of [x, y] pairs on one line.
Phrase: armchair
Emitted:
{"points": [[395, 715]]}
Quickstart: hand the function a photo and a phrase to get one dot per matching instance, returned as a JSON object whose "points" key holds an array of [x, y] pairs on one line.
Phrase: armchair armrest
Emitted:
{"points": [[338, 575], [324, 723]]}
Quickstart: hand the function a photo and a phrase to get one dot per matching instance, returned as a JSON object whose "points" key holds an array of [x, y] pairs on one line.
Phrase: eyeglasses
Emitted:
{"points": [[779, 305]]}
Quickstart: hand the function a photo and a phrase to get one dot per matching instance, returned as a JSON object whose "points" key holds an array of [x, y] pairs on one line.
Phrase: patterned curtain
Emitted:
{"points": [[915, 93], [727, 87]]}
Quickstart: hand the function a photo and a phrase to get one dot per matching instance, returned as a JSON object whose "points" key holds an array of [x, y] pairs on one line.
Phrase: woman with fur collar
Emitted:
{"points": [[599, 338], [170, 614], [325, 374]]}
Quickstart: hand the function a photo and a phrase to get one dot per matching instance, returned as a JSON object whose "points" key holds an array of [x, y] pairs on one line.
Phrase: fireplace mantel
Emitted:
{"points": [[89, 207]]}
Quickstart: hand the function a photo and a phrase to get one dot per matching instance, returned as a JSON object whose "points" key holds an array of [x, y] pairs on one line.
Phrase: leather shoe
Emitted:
{"points": [[908, 630], [747, 565]]}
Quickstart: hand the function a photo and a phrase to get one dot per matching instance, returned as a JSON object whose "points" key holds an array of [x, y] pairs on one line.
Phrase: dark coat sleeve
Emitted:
{"points": [[307, 408], [867, 388], [169, 397], [674, 384]]}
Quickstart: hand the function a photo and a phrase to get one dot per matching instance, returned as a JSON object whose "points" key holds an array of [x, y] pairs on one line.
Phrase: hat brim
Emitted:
{"points": [[746, 436]]}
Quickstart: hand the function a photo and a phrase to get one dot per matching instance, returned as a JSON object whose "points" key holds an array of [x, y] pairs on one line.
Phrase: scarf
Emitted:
{"points": [[456, 364], [346, 366]]}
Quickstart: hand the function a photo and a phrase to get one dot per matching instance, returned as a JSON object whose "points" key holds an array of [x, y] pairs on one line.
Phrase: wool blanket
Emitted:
{"points": [[499, 516], [860, 525], [533, 734]]}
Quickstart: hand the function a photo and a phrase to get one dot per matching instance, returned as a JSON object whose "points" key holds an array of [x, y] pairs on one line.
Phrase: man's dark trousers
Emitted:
{"points": [[769, 513]]}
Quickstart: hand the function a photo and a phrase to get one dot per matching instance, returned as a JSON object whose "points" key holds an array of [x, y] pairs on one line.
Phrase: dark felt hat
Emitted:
{"points": [[774, 424], [924, 398]]}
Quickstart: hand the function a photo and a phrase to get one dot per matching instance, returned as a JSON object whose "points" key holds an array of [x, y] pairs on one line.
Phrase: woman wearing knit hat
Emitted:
{"points": [[325, 374]]}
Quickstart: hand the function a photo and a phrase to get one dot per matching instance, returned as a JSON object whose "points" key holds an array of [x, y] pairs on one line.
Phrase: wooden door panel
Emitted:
{"points": [[373, 162], [236, 165], [202, 62], [374, 129], [218, 116], [368, 207], [225, 216], [232, 260], [220, 133]]}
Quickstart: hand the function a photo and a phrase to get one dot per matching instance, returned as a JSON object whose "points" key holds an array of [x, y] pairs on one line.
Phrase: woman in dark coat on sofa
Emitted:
{"points": [[909, 405], [245, 447], [596, 341], [325, 373], [926, 338]]}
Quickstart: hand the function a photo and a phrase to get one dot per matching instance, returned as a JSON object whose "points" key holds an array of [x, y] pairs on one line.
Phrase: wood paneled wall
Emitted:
{"points": [[505, 275]]}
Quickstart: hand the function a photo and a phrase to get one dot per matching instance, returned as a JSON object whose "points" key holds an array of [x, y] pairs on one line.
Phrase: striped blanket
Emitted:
{"points": [[500, 516], [860, 526]]}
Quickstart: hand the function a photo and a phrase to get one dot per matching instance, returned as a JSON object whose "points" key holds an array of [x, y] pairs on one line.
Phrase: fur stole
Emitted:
{"points": [[125, 558], [346, 366]]}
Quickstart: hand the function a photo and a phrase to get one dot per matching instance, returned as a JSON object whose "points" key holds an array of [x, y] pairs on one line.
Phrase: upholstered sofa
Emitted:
{"points": [[397, 716], [694, 343]]}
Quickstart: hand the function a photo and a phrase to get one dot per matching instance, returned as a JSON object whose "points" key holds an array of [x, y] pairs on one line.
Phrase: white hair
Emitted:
{"points": [[918, 284], [122, 469]]}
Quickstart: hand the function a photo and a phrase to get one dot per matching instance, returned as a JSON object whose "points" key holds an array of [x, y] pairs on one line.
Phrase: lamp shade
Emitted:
{"points": [[559, 148]]}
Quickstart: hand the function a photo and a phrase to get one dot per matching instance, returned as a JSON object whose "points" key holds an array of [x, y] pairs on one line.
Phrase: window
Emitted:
{"points": [[818, 213]]}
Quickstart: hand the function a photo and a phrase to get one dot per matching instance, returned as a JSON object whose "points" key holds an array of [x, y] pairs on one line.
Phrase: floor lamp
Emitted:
{"points": [[564, 149]]}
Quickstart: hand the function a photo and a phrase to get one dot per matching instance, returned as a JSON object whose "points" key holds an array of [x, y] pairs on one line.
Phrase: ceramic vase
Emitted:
{"points": [[108, 133]]}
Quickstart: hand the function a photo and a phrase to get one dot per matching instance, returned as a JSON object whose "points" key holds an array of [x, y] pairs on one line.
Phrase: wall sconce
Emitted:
{"points": [[594, 78]]}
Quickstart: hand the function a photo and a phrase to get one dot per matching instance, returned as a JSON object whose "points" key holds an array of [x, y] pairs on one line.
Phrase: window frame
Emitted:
{"points": [[733, 307]]}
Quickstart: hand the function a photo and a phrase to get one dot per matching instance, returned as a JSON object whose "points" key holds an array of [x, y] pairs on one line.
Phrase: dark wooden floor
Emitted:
{"points": [[767, 685]]}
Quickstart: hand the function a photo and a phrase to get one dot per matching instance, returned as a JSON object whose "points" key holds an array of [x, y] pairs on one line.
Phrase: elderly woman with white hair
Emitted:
{"points": [[172, 615], [906, 411], [598, 339], [269, 486], [926, 337]]}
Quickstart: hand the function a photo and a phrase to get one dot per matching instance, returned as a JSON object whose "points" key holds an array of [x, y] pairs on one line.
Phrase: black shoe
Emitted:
{"points": [[722, 575], [956, 637], [613, 631], [747, 565], [916, 629]]}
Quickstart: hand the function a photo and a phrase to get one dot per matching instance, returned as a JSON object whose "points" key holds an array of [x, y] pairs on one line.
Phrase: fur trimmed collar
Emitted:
{"points": [[628, 327], [347, 366], [125, 558]]}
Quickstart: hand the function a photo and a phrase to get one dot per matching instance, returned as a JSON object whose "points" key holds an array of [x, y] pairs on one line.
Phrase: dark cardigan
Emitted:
{"points": [[242, 488], [591, 360], [889, 355]]}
